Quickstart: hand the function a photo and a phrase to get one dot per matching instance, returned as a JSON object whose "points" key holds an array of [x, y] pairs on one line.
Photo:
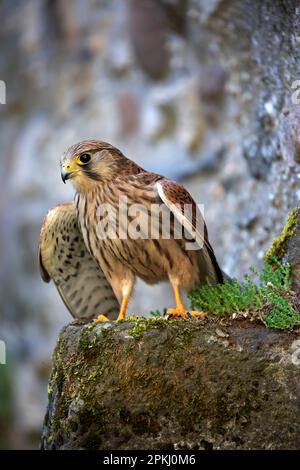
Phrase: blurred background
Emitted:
{"points": [[198, 91]]}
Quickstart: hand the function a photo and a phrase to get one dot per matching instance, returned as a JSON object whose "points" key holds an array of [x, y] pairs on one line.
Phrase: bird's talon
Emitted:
{"points": [[100, 319], [181, 312], [197, 315]]}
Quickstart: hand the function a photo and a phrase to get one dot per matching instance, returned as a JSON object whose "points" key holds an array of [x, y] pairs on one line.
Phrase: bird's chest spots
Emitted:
{"points": [[118, 228]]}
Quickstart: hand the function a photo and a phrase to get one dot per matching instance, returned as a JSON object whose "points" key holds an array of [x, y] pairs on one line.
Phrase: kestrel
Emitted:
{"points": [[95, 269]]}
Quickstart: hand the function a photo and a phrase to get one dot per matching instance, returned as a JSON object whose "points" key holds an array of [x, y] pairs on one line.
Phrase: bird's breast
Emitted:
{"points": [[132, 226]]}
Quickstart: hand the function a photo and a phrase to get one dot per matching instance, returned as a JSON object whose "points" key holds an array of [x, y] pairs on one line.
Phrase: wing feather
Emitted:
{"points": [[178, 200], [64, 258]]}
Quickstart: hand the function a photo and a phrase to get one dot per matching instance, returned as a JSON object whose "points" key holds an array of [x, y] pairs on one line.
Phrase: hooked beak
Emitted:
{"points": [[67, 171]]}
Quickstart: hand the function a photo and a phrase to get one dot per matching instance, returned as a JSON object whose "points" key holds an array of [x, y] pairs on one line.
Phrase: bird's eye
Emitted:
{"points": [[84, 158]]}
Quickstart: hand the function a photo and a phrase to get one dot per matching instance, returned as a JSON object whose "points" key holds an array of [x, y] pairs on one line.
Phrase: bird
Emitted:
{"points": [[95, 248]]}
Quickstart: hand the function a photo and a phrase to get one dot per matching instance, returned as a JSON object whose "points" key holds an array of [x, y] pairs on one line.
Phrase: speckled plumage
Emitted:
{"points": [[65, 259], [104, 176], [151, 260]]}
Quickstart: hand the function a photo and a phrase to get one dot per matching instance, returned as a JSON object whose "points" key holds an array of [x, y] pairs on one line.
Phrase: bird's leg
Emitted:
{"points": [[123, 308], [126, 289], [179, 310]]}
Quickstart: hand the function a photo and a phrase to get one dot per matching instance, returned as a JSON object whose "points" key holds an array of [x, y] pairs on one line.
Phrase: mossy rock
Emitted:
{"points": [[158, 384], [6, 404], [286, 245]]}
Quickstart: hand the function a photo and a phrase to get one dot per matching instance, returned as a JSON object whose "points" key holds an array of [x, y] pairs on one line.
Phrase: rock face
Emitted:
{"points": [[154, 384]]}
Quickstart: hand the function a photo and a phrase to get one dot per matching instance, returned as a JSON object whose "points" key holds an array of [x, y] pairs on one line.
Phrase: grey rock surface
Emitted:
{"points": [[155, 384]]}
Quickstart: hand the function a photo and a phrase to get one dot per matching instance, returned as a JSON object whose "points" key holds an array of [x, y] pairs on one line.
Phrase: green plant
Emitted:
{"points": [[266, 294], [156, 313], [279, 244]]}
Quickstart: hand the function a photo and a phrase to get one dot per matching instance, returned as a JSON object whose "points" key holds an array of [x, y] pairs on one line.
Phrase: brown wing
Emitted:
{"points": [[185, 210], [64, 258]]}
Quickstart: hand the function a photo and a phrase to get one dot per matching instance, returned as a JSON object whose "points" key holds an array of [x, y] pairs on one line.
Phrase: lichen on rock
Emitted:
{"points": [[286, 246], [279, 245]]}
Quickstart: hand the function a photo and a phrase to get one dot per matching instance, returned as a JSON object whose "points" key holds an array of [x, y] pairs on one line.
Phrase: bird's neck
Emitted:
{"points": [[127, 167]]}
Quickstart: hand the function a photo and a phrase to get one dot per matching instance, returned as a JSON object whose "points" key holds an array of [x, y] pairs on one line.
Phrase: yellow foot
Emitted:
{"points": [[100, 319], [180, 312]]}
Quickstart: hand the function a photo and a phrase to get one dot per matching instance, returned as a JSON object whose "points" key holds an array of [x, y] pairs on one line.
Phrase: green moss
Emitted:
{"points": [[71, 379], [270, 298], [278, 246], [6, 403], [142, 324]]}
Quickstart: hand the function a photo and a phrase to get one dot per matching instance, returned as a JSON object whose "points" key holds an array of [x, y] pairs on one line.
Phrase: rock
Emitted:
{"points": [[290, 135], [129, 113], [148, 31], [158, 384], [244, 36], [178, 108], [213, 80], [190, 118], [159, 117], [247, 220], [176, 11]]}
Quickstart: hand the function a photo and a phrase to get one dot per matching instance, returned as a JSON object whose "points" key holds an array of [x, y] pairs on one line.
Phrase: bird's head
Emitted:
{"points": [[91, 161]]}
